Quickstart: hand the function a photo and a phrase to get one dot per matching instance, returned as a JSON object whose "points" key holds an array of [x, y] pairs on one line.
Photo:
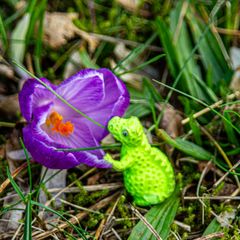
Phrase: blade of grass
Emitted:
{"points": [[15, 186], [229, 130], [17, 48], [29, 164], [28, 220], [3, 34], [185, 146], [141, 66], [134, 54], [39, 40]]}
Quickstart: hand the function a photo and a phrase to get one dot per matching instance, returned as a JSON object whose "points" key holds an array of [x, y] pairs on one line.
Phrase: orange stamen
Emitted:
{"points": [[56, 121]]}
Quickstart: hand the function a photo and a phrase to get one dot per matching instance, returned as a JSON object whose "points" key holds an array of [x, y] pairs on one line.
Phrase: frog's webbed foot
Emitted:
{"points": [[109, 158]]}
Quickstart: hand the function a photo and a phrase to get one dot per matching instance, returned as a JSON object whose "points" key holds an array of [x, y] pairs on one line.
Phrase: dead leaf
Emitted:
{"points": [[9, 106], [6, 71], [133, 6], [171, 121], [235, 57], [59, 28]]}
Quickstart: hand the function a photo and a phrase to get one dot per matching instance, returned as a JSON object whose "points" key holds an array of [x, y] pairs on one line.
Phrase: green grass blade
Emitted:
{"points": [[141, 66], [213, 227], [39, 40], [28, 220], [196, 130], [86, 60], [29, 164], [133, 54], [18, 39], [15, 186], [160, 217], [229, 130], [185, 146], [211, 53], [3, 34]]}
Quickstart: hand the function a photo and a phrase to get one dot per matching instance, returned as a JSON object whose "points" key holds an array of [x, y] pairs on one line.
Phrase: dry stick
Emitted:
{"points": [[228, 31], [110, 216], [226, 174], [204, 172], [111, 39], [102, 223], [211, 236], [225, 157], [144, 220], [13, 174], [103, 203], [90, 188], [212, 198], [215, 105], [116, 234]]}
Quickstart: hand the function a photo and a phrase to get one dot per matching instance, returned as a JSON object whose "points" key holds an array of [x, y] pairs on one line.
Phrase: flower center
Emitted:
{"points": [[55, 121]]}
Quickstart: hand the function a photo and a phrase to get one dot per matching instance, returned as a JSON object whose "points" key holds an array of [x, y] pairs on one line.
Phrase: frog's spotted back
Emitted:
{"points": [[148, 174]]}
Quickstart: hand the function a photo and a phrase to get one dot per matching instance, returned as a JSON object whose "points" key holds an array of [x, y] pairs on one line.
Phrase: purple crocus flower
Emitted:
{"points": [[52, 124]]}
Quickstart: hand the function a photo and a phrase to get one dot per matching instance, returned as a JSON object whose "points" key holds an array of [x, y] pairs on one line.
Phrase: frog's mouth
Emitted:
{"points": [[113, 125]]}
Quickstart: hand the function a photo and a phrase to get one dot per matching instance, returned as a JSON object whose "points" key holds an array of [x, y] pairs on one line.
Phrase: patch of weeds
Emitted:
{"points": [[93, 220], [124, 213], [83, 198]]}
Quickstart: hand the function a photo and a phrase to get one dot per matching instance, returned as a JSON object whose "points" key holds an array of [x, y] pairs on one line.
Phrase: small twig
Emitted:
{"points": [[211, 198], [226, 174], [224, 155], [144, 220], [102, 224], [117, 40], [234, 32], [183, 225], [110, 216], [211, 236], [116, 234], [90, 188], [207, 109]]}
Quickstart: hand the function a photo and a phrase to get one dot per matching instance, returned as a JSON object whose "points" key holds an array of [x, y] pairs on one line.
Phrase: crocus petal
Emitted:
{"points": [[115, 103], [44, 149], [32, 95], [83, 90]]}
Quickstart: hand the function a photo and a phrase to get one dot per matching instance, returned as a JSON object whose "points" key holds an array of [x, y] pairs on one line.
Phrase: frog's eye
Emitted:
{"points": [[125, 133]]}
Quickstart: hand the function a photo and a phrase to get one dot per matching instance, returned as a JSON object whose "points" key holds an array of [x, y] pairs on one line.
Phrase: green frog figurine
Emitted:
{"points": [[148, 174]]}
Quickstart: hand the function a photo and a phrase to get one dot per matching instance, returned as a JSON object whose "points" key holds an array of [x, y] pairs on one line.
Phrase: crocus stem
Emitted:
{"points": [[57, 95]]}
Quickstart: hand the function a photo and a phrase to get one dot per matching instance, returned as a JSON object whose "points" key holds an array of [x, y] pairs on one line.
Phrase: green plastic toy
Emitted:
{"points": [[148, 174]]}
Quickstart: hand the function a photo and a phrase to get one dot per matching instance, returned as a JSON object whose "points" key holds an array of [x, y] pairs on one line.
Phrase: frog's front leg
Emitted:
{"points": [[121, 165]]}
